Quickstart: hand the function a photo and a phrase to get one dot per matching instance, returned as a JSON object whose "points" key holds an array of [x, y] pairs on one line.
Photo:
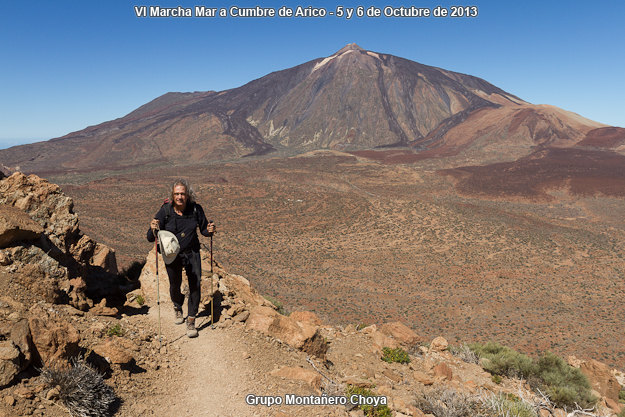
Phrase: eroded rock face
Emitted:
{"points": [[54, 339], [45, 204], [16, 349], [15, 226], [35, 275], [299, 335], [44, 252], [439, 344], [601, 379]]}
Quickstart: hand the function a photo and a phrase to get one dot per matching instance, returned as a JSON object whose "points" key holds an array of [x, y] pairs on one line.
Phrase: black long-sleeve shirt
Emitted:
{"points": [[184, 227]]}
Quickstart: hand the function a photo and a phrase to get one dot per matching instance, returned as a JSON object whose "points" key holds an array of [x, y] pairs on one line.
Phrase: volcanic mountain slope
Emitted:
{"points": [[353, 99]]}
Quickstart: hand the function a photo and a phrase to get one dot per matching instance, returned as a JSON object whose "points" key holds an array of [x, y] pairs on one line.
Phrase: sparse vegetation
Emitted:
{"points": [[565, 386], [441, 246], [140, 300], [115, 330], [496, 379], [502, 360], [508, 405], [621, 396], [398, 355], [447, 403], [81, 389], [464, 352], [369, 410], [279, 305]]}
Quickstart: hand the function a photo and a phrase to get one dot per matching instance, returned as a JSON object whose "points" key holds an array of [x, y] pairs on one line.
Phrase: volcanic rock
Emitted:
{"points": [[46, 204], [601, 379], [400, 332], [16, 225], [306, 317], [9, 362], [114, 352], [439, 344], [310, 377], [54, 339], [296, 334], [443, 371]]}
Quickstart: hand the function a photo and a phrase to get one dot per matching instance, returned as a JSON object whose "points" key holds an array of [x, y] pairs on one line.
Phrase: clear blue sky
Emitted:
{"points": [[66, 65]]}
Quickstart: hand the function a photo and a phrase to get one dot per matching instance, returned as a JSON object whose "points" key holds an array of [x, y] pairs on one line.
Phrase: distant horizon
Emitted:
{"points": [[69, 70]]}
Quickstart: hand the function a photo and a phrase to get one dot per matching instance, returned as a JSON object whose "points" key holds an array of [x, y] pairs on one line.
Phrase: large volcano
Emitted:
{"points": [[352, 100]]}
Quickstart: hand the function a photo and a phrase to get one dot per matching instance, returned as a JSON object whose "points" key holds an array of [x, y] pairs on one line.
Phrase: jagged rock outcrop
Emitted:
{"points": [[44, 248], [45, 261]]}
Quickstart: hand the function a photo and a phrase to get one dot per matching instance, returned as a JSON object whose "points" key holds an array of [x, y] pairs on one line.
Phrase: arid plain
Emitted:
{"points": [[357, 240]]}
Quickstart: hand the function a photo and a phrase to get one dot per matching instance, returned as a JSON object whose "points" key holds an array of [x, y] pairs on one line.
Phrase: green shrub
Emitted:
{"points": [[565, 385], [496, 379], [276, 303], [502, 360], [369, 410], [621, 396], [115, 330], [140, 300], [398, 355]]}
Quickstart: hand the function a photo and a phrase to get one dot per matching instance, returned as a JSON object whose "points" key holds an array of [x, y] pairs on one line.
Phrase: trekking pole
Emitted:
{"points": [[212, 293], [210, 250], [158, 291]]}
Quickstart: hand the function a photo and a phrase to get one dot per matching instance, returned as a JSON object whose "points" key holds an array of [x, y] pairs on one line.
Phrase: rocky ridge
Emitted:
{"points": [[41, 255]]}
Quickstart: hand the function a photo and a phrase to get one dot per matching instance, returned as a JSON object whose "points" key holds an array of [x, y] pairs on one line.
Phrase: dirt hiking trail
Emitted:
{"points": [[206, 376]]}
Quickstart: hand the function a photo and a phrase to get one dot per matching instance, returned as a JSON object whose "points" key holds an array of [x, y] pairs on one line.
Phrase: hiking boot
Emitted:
{"points": [[179, 319], [191, 330]]}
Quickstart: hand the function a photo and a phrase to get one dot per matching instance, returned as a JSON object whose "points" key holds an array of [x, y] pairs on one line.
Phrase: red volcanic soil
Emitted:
{"points": [[583, 172], [605, 137]]}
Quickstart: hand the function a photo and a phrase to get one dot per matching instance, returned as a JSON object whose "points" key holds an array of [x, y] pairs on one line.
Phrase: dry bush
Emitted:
{"points": [[81, 389], [508, 405], [447, 402], [464, 353]]}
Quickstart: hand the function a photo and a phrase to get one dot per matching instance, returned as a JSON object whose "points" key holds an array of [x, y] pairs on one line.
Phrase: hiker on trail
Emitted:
{"points": [[181, 215]]}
